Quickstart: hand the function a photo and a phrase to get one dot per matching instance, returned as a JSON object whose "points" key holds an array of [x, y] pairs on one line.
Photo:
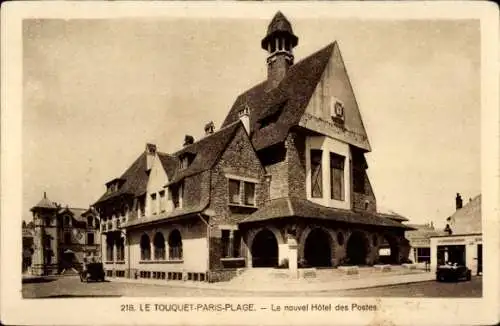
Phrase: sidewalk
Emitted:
{"points": [[289, 285]]}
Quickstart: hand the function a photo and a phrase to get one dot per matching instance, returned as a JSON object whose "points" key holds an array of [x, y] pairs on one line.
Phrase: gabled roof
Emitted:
{"points": [[390, 214], [422, 231], [76, 212], [206, 151], [296, 89], [468, 218], [135, 180], [289, 206], [169, 162]]}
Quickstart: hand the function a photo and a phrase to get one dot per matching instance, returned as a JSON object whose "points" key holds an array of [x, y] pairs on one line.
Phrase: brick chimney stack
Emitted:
{"points": [[458, 201], [188, 140], [150, 155]]}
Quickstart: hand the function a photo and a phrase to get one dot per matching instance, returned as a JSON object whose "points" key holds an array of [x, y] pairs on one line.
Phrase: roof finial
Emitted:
{"points": [[44, 195]]}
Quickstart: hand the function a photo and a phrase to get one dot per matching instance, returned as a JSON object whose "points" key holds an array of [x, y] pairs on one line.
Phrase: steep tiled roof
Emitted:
{"points": [[135, 180], [296, 89], [206, 151], [169, 163], [284, 207]]}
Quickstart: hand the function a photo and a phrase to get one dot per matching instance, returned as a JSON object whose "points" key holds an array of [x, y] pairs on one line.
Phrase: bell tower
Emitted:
{"points": [[279, 43], [45, 257]]}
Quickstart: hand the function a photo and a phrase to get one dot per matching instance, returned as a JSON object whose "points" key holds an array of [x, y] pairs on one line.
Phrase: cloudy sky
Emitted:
{"points": [[96, 91]]}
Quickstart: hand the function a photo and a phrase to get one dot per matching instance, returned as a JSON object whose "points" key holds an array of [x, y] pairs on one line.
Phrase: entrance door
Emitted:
{"points": [[318, 249], [479, 259], [265, 249]]}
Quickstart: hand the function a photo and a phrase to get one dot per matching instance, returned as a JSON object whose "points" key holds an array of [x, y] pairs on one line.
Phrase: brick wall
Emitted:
{"points": [[296, 159], [359, 200], [238, 159]]}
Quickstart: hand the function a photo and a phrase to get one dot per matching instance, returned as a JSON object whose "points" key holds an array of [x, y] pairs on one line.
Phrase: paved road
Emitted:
{"points": [[66, 287]]}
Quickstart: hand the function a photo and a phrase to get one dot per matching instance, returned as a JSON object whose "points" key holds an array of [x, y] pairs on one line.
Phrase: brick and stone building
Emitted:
{"points": [[64, 238], [282, 182]]}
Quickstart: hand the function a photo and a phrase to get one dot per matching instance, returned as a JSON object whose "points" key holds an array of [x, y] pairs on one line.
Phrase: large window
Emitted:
{"points": [[423, 255], [249, 193], [316, 174], [235, 195], [159, 245], [234, 191], [337, 176], [109, 249], [230, 243], [120, 249], [90, 221], [145, 248], [175, 245]]}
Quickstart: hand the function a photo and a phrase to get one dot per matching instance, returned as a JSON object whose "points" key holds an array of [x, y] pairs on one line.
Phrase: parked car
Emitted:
{"points": [[92, 271], [453, 272]]}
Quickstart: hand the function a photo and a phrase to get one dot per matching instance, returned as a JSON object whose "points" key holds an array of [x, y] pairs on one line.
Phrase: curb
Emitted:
{"points": [[263, 290]]}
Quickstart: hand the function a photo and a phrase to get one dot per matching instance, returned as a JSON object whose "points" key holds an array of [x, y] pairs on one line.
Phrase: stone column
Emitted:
{"points": [[292, 256]]}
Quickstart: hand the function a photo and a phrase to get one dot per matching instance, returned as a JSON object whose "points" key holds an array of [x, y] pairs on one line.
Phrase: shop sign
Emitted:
{"points": [[453, 240]]}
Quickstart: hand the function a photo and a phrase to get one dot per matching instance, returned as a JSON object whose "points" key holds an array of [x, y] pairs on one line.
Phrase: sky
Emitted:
{"points": [[96, 91]]}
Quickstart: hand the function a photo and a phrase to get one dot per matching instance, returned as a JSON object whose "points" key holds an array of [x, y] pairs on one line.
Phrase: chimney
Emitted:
{"points": [[432, 225], [244, 115], [209, 128], [150, 155], [44, 195], [458, 202], [188, 140]]}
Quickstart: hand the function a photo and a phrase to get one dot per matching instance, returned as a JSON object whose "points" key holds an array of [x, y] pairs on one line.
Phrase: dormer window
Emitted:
{"points": [[185, 160], [337, 110]]}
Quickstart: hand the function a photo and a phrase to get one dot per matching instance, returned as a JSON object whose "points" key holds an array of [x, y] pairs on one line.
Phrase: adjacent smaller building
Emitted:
{"points": [[462, 243], [63, 237], [420, 242]]}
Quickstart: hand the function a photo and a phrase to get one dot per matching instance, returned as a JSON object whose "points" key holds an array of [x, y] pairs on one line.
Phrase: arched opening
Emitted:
{"points": [[159, 244], [388, 252], [145, 247], [265, 249], [357, 249], [175, 245], [318, 248]]}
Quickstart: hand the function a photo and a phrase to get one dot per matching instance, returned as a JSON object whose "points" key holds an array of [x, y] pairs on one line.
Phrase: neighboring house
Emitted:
{"points": [[463, 242], [64, 238], [420, 242], [283, 181]]}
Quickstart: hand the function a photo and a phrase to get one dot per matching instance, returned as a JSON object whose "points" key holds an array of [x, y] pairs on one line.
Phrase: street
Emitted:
{"points": [[67, 287]]}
